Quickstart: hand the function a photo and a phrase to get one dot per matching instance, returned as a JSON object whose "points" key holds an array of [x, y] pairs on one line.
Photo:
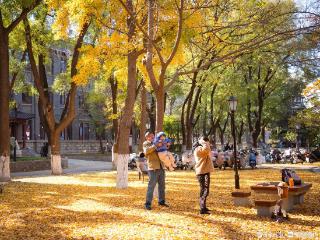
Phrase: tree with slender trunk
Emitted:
{"points": [[191, 119], [261, 83], [151, 114], [143, 117], [222, 129], [114, 94], [158, 85], [5, 84], [158, 82], [214, 118], [54, 128], [125, 122]]}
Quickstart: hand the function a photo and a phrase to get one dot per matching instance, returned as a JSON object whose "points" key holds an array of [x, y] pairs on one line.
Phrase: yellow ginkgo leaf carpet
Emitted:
{"points": [[88, 206]]}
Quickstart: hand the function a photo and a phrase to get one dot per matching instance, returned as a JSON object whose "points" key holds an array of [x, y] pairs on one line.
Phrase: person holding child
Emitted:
{"points": [[155, 171]]}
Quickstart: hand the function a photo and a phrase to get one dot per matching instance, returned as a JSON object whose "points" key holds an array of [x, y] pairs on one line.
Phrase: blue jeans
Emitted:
{"points": [[156, 176]]}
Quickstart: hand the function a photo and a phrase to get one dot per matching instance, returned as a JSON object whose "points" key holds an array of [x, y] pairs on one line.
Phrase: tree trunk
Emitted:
{"points": [[221, 134], [214, 121], [102, 149], [223, 130], [257, 127], [158, 83], [4, 106], [56, 167], [159, 109], [183, 126], [240, 132], [192, 104], [189, 138], [125, 124], [5, 88], [143, 119], [126, 118], [214, 137], [151, 114], [263, 134], [46, 107], [204, 119], [114, 94]]}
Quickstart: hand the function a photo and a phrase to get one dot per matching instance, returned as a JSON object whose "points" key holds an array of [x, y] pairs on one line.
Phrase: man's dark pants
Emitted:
{"points": [[204, 180]]}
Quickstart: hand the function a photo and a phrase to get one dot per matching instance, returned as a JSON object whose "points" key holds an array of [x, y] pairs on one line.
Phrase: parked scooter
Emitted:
{"points": [[228, 160], [242, 163], [252, 159]]}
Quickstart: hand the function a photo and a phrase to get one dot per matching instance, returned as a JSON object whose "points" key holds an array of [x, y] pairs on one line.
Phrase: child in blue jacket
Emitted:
{"points": [[163, 143]]}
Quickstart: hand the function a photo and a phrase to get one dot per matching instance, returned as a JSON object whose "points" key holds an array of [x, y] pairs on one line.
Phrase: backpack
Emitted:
{"points": [[288, 173]]}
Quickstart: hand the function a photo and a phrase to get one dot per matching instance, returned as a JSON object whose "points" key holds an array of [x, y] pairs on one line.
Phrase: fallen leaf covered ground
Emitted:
{"points": [[88, 206]]}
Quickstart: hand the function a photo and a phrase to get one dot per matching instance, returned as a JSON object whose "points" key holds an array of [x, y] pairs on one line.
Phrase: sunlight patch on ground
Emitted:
{"points": [[65, 180], [86, 205]]}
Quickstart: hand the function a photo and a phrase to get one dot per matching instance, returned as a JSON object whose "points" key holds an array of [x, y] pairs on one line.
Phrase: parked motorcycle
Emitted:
{"points": [[314, 155], [252, 159]]}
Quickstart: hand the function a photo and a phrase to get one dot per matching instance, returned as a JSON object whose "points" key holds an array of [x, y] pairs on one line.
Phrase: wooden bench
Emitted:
{"points": [[265, 207], [241, 198], [295, 193]]}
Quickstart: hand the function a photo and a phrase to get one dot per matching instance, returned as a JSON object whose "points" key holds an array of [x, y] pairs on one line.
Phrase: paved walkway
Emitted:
{"points": [[306, 167], [78, 166], [75, 166]]}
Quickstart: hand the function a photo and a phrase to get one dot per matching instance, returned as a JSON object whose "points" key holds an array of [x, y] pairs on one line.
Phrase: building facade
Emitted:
{"points": [[28, 128]]}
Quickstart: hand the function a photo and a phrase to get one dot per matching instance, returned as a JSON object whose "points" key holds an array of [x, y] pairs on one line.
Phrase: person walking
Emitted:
{"points": [[155, 171], [203, 169]]}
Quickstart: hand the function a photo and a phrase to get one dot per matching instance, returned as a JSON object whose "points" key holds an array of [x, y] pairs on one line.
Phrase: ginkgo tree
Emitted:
{"points": [[115, 52], [38, 46], [11, 14]]}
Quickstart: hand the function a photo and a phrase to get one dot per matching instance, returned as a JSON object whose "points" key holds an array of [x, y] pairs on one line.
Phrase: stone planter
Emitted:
{"points": [[35, 165]]}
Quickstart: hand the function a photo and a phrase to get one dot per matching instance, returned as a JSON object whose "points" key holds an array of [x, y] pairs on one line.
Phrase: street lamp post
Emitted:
{"points": [[233, 107]]}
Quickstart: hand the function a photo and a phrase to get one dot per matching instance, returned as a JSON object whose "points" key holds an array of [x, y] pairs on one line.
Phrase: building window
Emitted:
{"points": [[62, 99], [63, 65], [84, 131], [42, 132], [26, 98], [51, 98], [63, 135], [52, 65], [81, 131], [69, 132], [81, 101], [29, 130]]}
